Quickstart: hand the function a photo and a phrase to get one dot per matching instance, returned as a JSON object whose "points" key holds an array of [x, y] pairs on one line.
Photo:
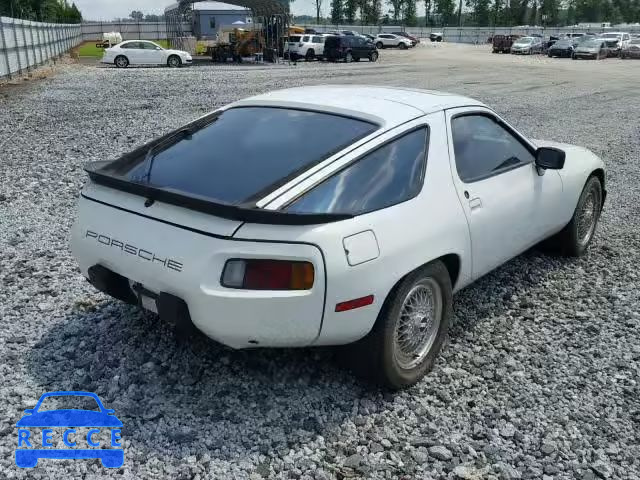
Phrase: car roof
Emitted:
{"points": [[387, 106]]}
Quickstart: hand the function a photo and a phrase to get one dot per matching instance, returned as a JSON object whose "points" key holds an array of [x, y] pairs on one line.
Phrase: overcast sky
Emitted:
{"points": [[109, 9]]}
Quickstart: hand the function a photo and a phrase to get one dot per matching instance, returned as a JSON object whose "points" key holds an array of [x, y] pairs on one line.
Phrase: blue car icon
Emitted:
{"points": [[69, 419]]}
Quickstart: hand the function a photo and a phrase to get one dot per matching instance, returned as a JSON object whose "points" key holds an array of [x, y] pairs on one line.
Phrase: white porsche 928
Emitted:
{"points": [[330, 215]]}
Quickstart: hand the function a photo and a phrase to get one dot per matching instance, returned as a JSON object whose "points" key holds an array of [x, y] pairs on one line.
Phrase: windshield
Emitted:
{"points": [[593, 43], [610, 35], [635, 41], [242, 153], [68, 402], [525, 40], [294, 38], [563, 43]]}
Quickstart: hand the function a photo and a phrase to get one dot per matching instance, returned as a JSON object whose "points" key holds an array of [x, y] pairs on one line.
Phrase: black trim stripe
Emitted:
{"points": [[166, 222]]}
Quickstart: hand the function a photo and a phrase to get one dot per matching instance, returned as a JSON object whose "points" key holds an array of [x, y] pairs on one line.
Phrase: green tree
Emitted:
{"points": [[427, 12], [481, 11], [137, 15], [409, 13], [350, 9], [397, 8], [446, 10], [336, 11]]}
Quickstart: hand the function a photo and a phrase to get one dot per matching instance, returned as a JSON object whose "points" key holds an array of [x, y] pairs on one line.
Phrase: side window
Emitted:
{"points": [[212, 22], [305, 39], [130, 45], [484, 148], [389, 175], [318, 40]]}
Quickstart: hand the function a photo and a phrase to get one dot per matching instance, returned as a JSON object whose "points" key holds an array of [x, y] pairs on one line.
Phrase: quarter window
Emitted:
{"points": [[385, 177], [484, 148]]}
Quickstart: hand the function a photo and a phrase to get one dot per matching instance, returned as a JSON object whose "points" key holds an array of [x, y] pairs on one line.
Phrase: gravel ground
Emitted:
{"points": [[539, 379]]}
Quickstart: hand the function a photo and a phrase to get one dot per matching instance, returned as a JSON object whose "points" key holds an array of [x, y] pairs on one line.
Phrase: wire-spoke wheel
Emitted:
{"points": [[409, 331], [574, 239], [417, 327], [588, 215]]}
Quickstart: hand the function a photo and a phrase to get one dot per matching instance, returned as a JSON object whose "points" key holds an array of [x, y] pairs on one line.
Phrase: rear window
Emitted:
{"points": [[243, 153], [332, 42]]}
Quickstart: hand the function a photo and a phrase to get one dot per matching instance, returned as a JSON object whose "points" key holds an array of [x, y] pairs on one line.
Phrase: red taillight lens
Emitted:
{"points": [[255, 274]]}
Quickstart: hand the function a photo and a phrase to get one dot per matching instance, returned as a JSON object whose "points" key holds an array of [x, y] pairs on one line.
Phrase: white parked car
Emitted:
{"points": [[385, 40], [261, 235], [144, 52], [616, 42], [307, 46]]}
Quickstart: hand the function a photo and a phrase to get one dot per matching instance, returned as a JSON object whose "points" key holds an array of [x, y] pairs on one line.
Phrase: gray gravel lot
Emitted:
{"points": [[539, 379]]}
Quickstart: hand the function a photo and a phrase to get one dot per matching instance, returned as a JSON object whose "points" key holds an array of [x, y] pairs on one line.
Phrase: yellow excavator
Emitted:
{"points": [[237, 43]]}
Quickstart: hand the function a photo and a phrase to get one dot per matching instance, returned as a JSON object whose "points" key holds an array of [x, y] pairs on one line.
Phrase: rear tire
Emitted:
{"points": [[405, 341], [348, 58], [379, 45], [121, 61], [574, 239]]}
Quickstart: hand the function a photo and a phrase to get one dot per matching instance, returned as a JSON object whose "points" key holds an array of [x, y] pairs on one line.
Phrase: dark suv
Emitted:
{"points": [[349, 48]]}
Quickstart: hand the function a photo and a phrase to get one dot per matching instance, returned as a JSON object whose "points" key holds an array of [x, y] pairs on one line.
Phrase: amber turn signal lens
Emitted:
{"points": [[258, 274]]}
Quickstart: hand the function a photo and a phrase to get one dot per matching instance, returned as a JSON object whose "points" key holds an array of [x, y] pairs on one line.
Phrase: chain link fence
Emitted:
{"points": [[24, 44]]}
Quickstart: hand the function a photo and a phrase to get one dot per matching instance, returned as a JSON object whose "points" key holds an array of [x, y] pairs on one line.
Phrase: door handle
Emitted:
{"points": [[475, 203]]}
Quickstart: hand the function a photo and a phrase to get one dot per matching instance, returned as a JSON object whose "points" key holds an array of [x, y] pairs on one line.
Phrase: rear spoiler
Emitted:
{"points": [[243, 213]]}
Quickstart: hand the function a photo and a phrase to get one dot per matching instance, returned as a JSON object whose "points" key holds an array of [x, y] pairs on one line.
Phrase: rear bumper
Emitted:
{"points": [[166, 260]]}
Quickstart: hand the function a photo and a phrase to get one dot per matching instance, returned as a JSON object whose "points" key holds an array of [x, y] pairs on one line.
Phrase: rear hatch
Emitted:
{"points": [[332, 47], [164, 217], [292, 43]]}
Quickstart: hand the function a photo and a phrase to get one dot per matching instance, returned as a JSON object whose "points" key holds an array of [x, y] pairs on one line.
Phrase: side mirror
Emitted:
{"points": [[109, 411], [550, 158], [29, 411]]}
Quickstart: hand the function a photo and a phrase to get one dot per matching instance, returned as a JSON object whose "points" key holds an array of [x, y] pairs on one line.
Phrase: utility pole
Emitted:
{"points": [[460, 14]]}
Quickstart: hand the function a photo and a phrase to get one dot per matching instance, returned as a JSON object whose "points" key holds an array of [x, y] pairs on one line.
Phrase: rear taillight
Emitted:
{"points": [[258, 274]]}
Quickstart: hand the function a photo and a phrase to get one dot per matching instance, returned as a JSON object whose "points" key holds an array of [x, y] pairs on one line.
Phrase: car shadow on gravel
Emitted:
{"points": [[197, 396], [193, 396]]}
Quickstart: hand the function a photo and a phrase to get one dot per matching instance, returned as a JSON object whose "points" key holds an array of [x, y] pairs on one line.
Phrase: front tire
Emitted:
{"points": [[174, 61], [373, 57], [410, 330], [574, 239], [402, 46], [310, 55], [348, 58], [121, 61]]}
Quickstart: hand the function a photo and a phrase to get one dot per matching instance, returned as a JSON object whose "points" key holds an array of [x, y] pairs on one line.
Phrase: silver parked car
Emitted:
{"points": [[595, 49], [527, 45]]}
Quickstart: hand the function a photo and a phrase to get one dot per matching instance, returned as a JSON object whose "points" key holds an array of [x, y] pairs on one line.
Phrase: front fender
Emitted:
{"points": [[580, 164]]}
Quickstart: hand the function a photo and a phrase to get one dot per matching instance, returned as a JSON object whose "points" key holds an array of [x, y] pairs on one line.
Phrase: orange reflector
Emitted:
{"points": [[355, 303]]}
